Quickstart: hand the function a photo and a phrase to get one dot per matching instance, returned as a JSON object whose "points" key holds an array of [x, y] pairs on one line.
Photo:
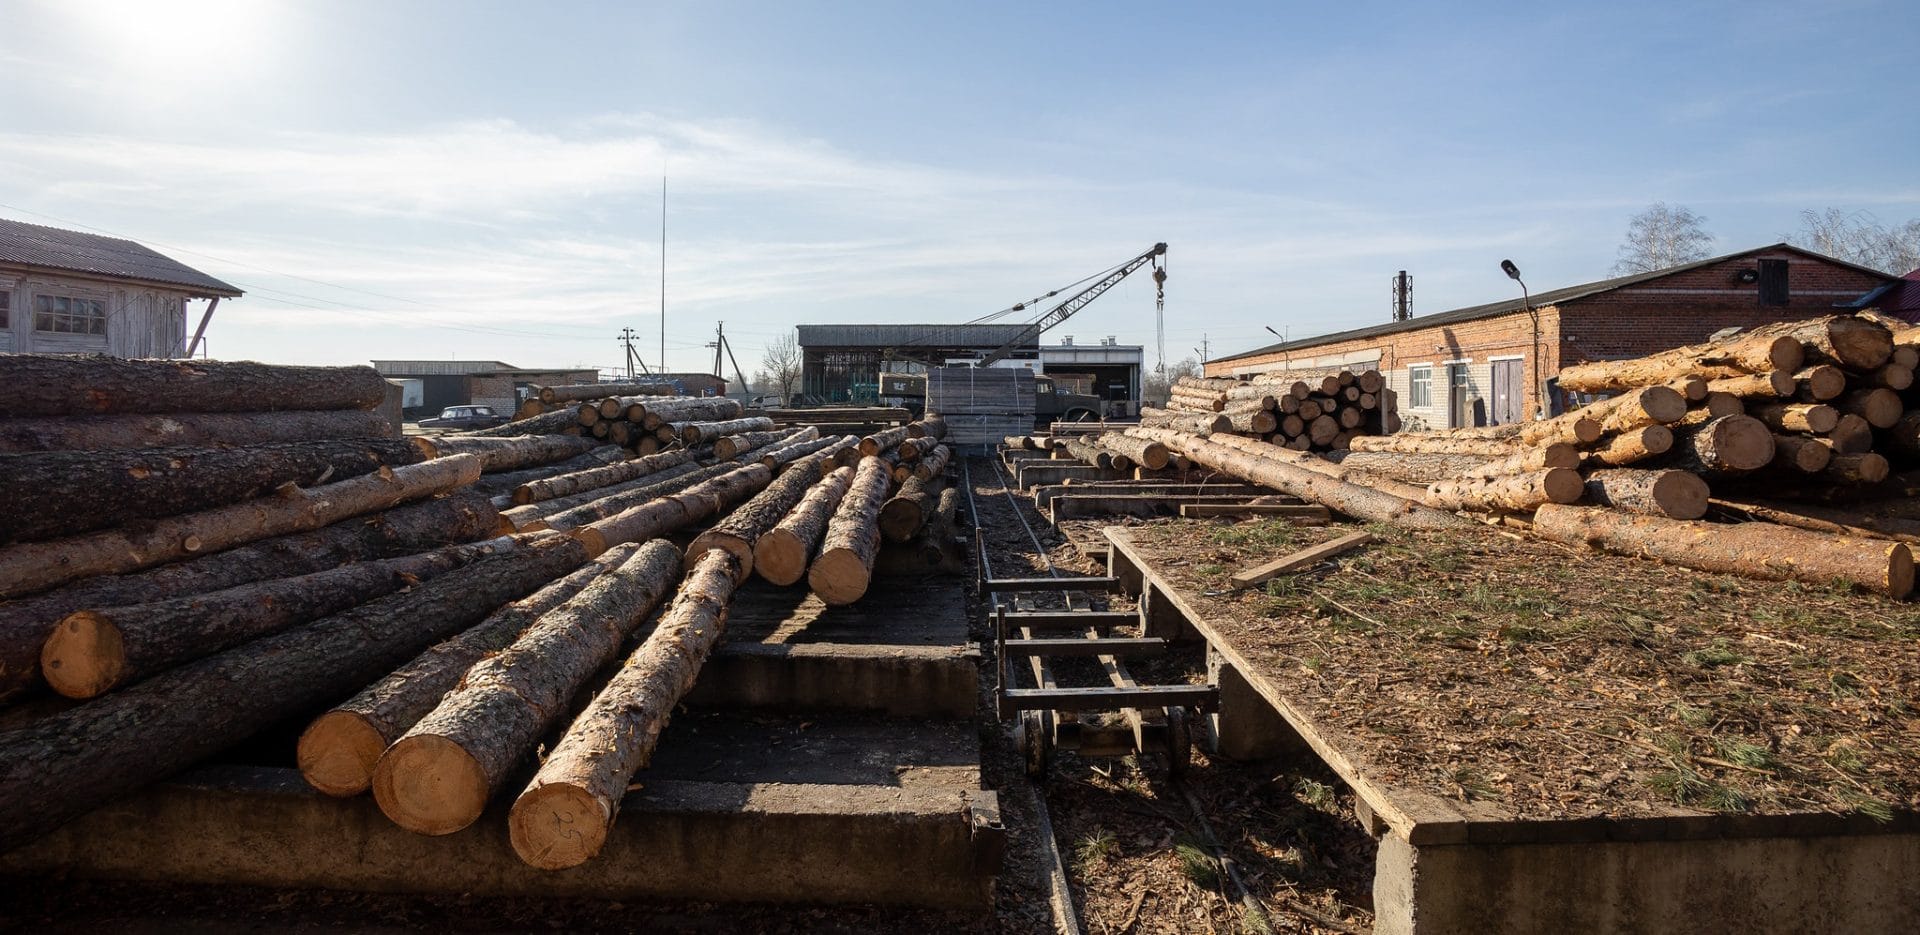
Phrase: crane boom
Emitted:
{"points": [[1073, 303]]}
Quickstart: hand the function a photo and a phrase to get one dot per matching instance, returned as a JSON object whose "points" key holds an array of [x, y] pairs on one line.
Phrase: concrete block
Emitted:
{"points": [[1247, 727]]}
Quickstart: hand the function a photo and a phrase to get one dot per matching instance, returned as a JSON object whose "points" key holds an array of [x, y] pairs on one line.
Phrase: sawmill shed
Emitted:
{"points": [[72, 292], [1496, 363]]}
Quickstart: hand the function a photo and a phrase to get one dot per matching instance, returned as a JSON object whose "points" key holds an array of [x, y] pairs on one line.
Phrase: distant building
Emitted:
{"points": [[1109, 370], [1495, 363], [841, 362], [446, 383], [1899, 298], [68, 292]]}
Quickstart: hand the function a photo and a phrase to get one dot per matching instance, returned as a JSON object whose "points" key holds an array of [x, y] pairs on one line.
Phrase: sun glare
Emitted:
{"points": [[218, 29]]}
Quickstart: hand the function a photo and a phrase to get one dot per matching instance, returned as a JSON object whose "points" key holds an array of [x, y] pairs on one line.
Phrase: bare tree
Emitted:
{"points": [[1860, 238], [782, 365], [1663, 235], [1155, 388]]}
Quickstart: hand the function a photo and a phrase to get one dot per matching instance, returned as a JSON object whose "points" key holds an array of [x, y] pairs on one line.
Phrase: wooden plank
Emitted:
{"points": [[1081, 646], [1301, 513], [1302, 559], [1006, 585], [1420, 817], [1103, 698]]}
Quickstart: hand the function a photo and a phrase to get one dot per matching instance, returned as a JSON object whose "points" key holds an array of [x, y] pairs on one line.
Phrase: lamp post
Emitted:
{"points": [[1526, 302]]}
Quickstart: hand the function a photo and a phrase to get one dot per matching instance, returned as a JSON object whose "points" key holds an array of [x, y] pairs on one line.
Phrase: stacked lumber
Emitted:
{"points": [[980, 406], [1318, 410]]}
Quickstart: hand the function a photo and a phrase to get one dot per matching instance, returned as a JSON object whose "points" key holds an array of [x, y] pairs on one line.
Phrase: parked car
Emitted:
{"points": [[465, 417]]}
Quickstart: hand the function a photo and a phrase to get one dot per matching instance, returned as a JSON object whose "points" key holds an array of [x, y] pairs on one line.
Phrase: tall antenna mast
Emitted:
{"points": [[663, 272]]}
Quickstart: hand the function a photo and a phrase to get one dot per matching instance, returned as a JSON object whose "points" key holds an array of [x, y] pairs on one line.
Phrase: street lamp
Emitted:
{"points": [[1526, 301]]}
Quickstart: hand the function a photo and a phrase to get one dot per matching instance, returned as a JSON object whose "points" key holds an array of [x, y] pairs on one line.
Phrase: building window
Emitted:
{"points": [[6, 307], [1773, 282], [1420, 386], [62, 314]]}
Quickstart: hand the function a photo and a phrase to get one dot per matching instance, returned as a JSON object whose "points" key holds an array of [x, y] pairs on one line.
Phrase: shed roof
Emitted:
{"points": [[1540, 300], [1899, 298], [892, 335], [51, 248]]}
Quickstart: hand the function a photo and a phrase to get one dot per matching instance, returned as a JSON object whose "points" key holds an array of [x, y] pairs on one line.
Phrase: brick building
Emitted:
{"points": [[1494, 363]]}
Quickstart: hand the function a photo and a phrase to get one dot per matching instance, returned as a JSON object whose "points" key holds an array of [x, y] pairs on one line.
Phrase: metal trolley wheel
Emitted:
{"points": [[1034, 737], [1179, 741]]}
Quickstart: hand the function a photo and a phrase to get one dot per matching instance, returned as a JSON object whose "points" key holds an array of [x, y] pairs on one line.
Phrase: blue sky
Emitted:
{"points": [[481, 180]]}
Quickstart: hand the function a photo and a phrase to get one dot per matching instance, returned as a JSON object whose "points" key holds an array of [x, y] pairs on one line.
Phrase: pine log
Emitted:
{"points": [[1846, 522], [68, 764], [576, 392], [1850, 436], [1796, 417], [176, 430], [1633, 446], [529, 408], [1903, 439], [906, 512], [1540, 458], [1892, 376], [1868, 468], [783, 553], [337, 752], [844, 567], [934, 464], [1349, 417], [1252, 421], [1184, 422], [567, 513], [1724, 404], [1412, 467], [732, 447], [76, 492], [557, 422], [1261, 395], [1692, 387], [588, 414], [1322, 431], [881, 441], [1150, 455], [1880, 407], [95, 384], [1748, 353], [832, 448], [34, 566], [25, 623], [657, 412], [598, 477], [1647, 405], [504, 484], [1519, 492], [930, 425], [1820, 383], [1436, 443], [703, 433], [1773, 383], [437, 778], [1725, 444], [1800, 453], [939, 535], [1088, 452], [1310, 409], [755, 518], [1756, 550], [1216, 384], [561, 819], [1673, 494], [1847, 341], [1283, 471], [507, 454], [92, 652], [673, 512]]}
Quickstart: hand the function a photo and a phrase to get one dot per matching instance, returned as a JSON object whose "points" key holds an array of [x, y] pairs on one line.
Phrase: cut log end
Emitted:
{"points": [[556, 826], [84, 656], [780, 557], [429, 785], [713, 539], [838, 577], [337, 753]]}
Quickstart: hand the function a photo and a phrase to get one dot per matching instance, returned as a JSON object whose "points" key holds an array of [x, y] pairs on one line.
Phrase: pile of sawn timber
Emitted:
{"points": [[1794, 439], [1305, 410], [183, 599]]}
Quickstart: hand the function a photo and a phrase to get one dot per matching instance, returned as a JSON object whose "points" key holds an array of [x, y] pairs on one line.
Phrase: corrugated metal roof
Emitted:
{"points": [[95, 255], [961, 335], [1516, 304]]}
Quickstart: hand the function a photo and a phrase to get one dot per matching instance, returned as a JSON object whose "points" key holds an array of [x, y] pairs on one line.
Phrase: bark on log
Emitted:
{"points": [[1692, 387], [1630, 447], [1868, 468], [1647, 405], [1086, 451], [1252, 421], [92, 652], [844, 567], [25, 623], [68, 764], [1755, 550], [702, 433], [743, 527], [1797, 417], [576, 392], [1323, 430], [65, 493], [507, 454], [930, 426], [881, 441], [673, 512], [1184, 422], [95, 384], [1261, 395], [337, 752], [1772, 384], [569, 513], [437, 778], [180, 430], [1726, 444], [1749, 353], [1880, 407], [782, 554], [1839, 520], [1412, 467], [1673, 494], [1801, 454], [561, 819], [1724, 404], [1436, 443], [504, 484], [1150, 455], [1288, 476], [1516, 492], [832, 448], [655, 413], [1848, 341], [1891, 376], [34, 566], [557, 422], [906, 512], [1850, 436], [934, 464], [598, 477], [1820, 383], [1903, 439], [732, 447]]}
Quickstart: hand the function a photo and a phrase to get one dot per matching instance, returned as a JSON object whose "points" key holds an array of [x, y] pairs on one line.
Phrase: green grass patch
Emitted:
{"points": [[1197, 864], [1096, 848]]}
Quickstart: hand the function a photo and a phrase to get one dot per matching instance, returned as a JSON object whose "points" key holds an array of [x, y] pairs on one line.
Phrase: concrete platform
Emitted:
{"points": [[736, 809], [1448, 866]]}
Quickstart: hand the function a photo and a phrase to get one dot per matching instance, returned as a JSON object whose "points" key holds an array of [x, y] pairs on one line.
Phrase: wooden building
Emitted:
{"points": [[70, 292], [1496, 363], [446, 383]]}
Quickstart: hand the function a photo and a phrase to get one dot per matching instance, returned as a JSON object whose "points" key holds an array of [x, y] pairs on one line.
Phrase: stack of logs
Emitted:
{"points": [[642, 424], [188, 597], [545, 399], [1321, 410]]}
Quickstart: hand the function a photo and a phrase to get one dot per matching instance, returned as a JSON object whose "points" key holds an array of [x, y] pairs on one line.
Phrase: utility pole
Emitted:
{"points": [[663, 272], [627, 337], [721, 345]]}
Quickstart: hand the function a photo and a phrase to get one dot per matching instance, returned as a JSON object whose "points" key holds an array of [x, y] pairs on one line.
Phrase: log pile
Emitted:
{"points": [[642, 423], [1304, 410]]}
